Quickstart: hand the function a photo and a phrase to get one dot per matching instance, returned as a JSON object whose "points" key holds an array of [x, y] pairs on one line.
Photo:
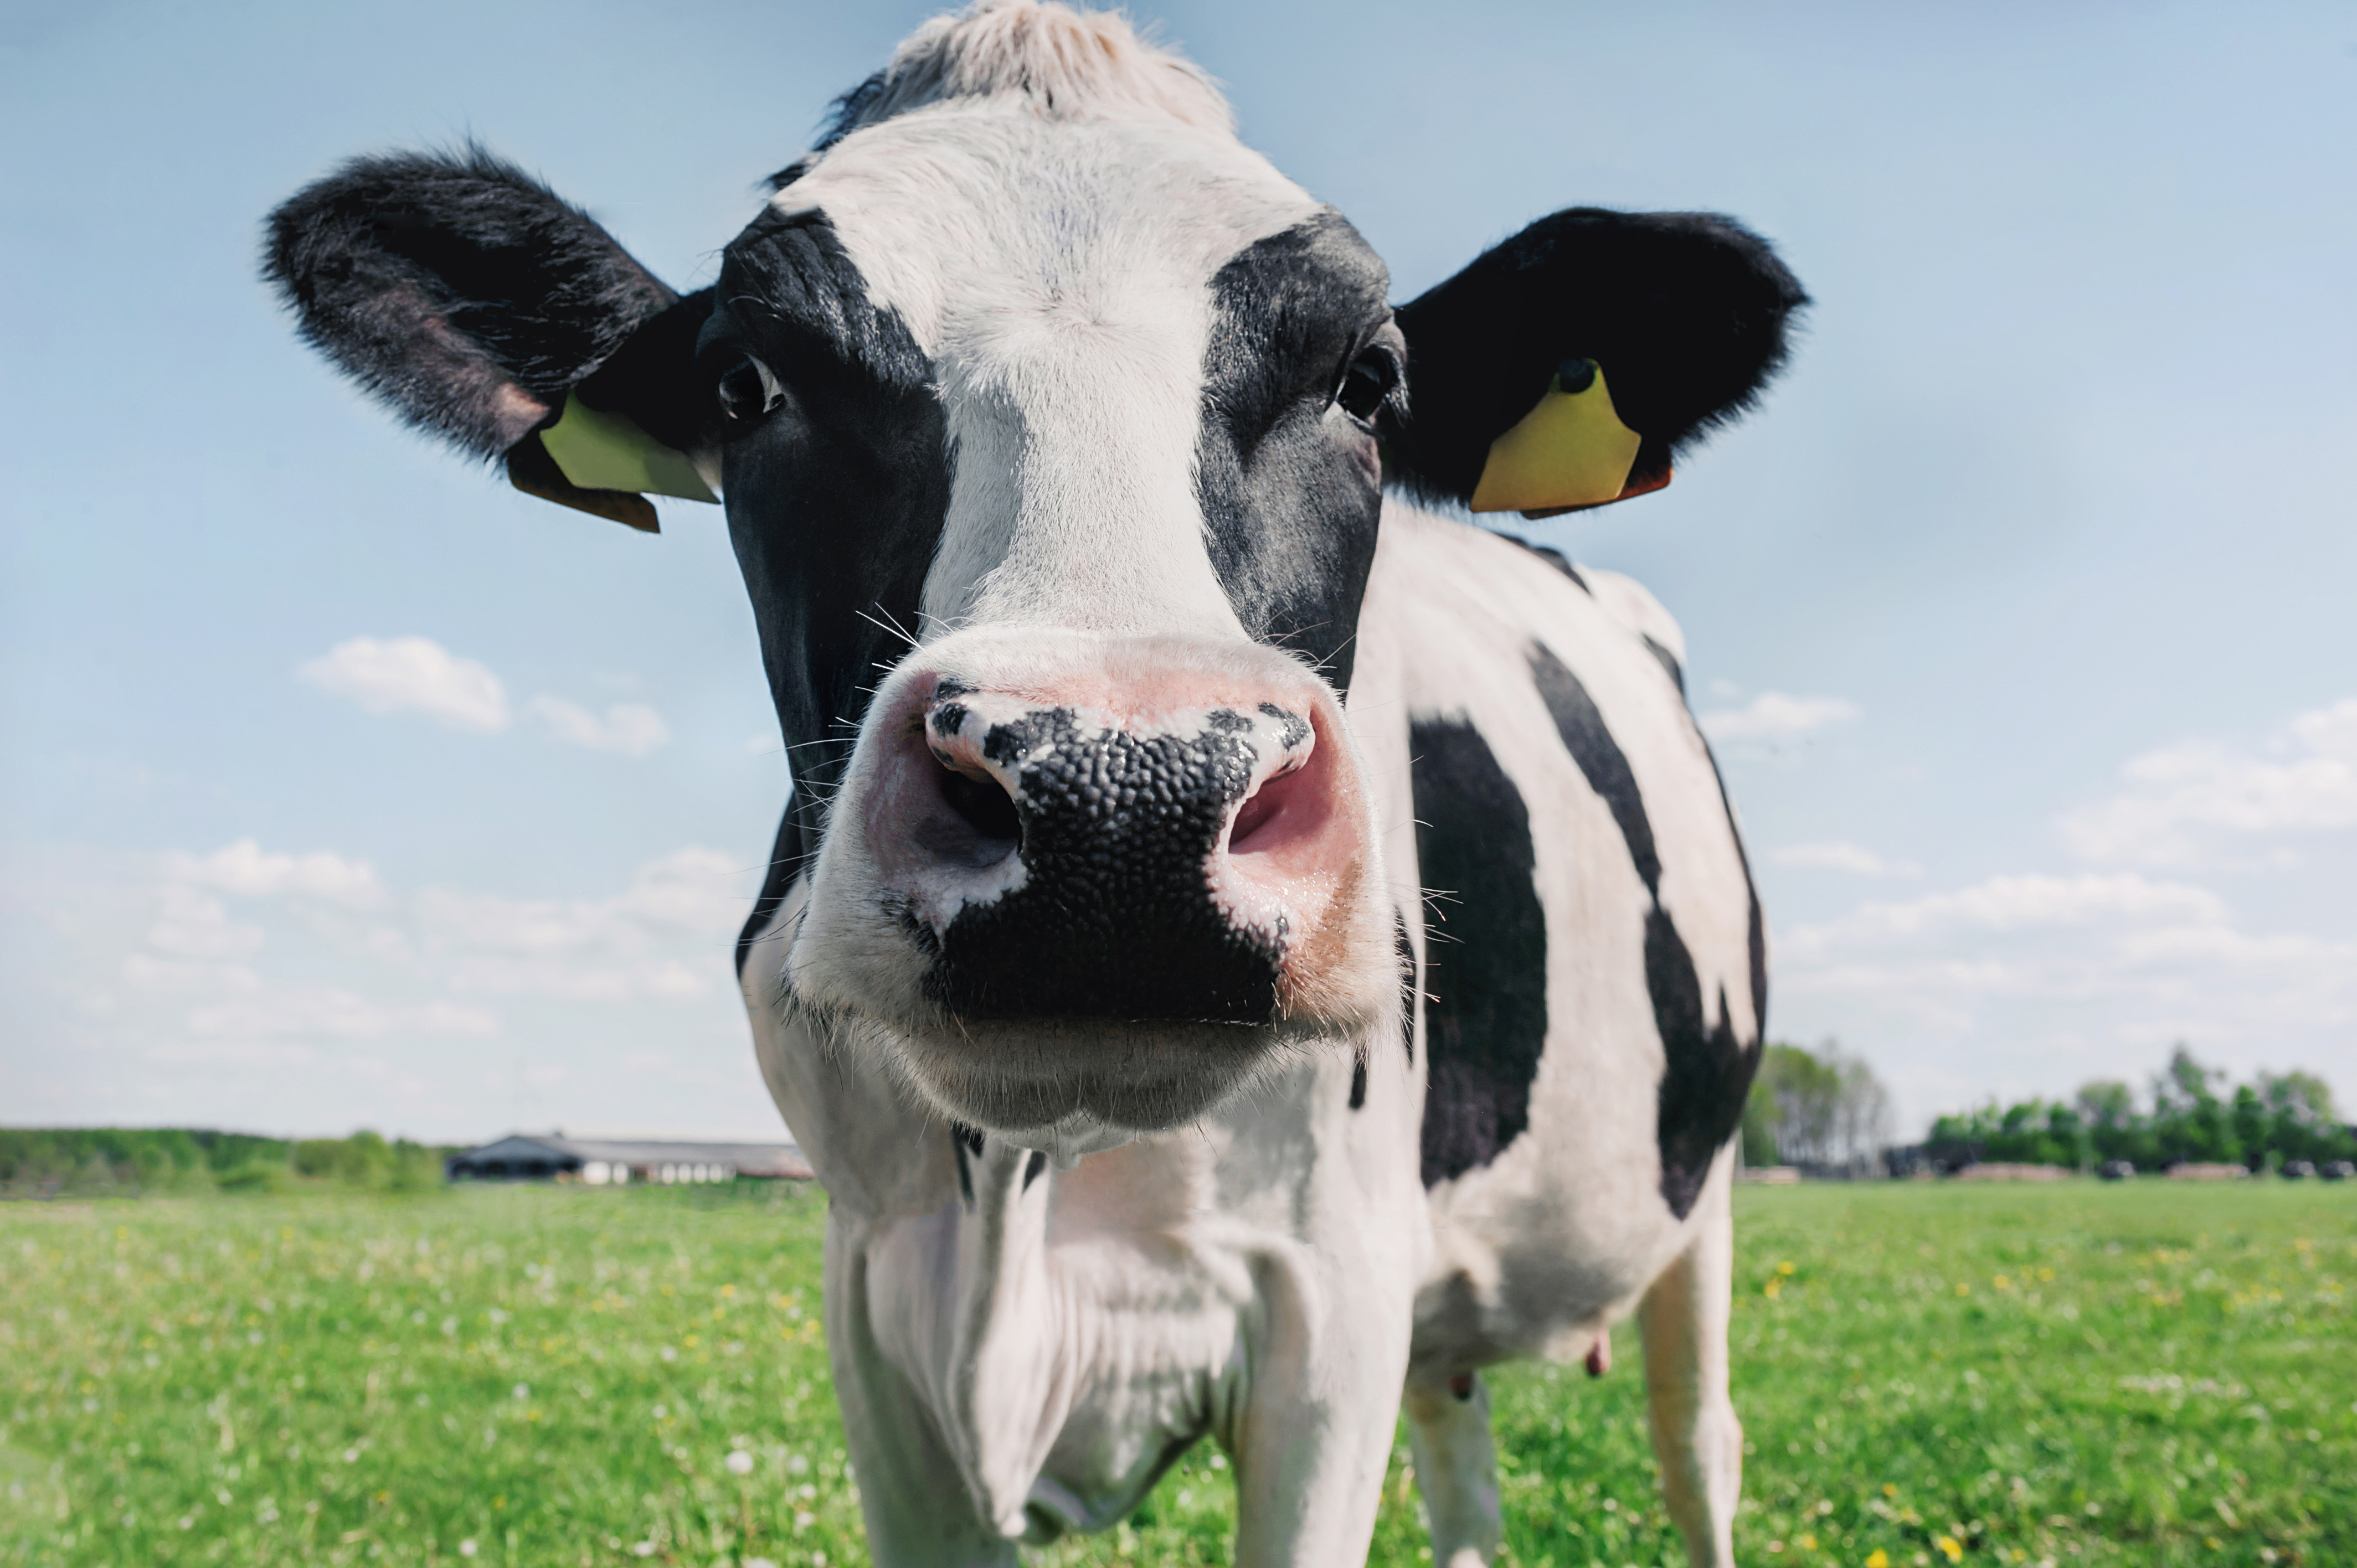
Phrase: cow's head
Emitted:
{"points": [[1052, 424]]}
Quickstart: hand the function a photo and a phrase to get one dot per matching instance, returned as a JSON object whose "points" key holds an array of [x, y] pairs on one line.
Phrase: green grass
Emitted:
{"points": [[2150, 1374]]}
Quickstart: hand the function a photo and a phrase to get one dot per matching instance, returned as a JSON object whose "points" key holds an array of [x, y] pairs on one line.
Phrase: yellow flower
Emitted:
{"points": [[1877, 1558], [1963, 1289], [1952, 1546], [2002, 1283], [1786, 1269], [1808, 1543], [1771, 1288], [1888, 1490]]}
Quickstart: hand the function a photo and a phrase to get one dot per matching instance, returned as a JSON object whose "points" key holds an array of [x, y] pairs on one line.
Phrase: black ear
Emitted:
{"points": [[474, 302], [1678, 318]]}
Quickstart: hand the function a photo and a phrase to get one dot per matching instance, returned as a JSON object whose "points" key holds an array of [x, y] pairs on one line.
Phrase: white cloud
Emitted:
{"points": [[597, 948], [1840, 854], [196, 925], [632, 728], [2183, 803], [2005, 904], [413, 673], [245, 868], [1773, 716], [173, 975], [313, 1010]]}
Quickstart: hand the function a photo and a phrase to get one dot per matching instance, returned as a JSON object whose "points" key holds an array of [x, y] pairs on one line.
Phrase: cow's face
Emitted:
{"points": [[1087, 411], [1051, 423]]}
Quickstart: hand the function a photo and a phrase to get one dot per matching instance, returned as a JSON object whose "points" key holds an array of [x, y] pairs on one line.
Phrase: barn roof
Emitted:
{"points": [[781, 1157]]}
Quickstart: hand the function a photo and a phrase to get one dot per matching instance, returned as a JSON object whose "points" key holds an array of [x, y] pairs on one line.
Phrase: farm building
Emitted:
{"points": [[600, 1161]]}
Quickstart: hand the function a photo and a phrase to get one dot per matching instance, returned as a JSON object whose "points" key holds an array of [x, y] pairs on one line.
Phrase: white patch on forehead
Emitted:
{"points": [[1057, 274]]}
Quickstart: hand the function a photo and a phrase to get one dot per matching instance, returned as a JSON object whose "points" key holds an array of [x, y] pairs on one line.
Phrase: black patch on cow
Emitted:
{"points": [[1409, 984], [1669, 662], [1552, 556], [1291, 508], [836, 501], [1686, 311], [1601, 759], [1708, 1070], [965, 1141], [1034, 1168], [1485, 1011], [1115, 918], [1358, 1084], [457, 289]]}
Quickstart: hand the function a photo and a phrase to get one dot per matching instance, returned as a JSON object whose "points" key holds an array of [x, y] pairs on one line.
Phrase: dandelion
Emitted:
{"points": [[1877, 1558], [523, 1391], [1787, 1269], [739, 1463], [643, 1549], [466, 1548], [1952, 1549]]}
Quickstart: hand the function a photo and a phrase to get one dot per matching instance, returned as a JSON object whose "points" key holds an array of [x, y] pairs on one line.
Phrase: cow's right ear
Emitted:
{"points": [[478, 305]]}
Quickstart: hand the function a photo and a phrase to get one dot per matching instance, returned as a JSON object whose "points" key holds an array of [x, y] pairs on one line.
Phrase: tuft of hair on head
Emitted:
{"points": [[1061, 62]]}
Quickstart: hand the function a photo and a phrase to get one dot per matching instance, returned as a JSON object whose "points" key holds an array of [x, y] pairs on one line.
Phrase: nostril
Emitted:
{"points": [[983, 804], [1261, 820]]}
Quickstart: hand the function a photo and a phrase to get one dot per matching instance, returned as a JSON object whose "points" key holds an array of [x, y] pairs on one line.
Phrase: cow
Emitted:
{"points": [[1246, 947]]}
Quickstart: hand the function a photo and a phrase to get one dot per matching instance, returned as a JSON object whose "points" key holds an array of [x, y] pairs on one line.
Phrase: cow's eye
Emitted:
{"points": [[748, 389], [1368, 381]]}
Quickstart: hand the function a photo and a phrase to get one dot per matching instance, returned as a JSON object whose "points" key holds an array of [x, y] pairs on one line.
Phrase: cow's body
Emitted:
{"points": [[1258, 946], [1267, 1275]]}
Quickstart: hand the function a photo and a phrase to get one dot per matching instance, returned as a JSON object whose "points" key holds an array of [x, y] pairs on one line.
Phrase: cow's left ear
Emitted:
{"points": [[1567, 366]]}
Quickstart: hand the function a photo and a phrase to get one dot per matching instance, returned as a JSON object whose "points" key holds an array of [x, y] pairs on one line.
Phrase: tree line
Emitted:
{"points": [[38, 1162], [2191, 1114]]}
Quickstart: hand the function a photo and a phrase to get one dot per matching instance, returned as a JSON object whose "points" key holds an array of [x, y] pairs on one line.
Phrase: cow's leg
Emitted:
{"points": [[918, 1514], [1456, 1467], [1314, 1436], [1696, 1437]]}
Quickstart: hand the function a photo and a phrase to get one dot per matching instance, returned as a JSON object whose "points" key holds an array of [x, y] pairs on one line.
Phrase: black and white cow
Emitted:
{"points": [[1089, 965]]}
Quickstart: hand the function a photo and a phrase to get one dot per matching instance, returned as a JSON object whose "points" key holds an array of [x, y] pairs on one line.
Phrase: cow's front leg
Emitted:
{"points": [[918, 1514], [1315, 1433], [1456, 1467], [1696, 1437]]}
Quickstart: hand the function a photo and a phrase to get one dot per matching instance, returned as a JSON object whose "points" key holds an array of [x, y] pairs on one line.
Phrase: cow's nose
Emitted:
{"points": [[1065, 862]]}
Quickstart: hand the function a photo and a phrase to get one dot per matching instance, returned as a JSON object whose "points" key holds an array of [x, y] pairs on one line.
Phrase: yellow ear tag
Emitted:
{"points": [[1569, 451], [609, 452]]}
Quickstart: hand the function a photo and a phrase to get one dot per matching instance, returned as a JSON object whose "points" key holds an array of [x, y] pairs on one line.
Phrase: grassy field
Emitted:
{"points": [[2151, 1374]]}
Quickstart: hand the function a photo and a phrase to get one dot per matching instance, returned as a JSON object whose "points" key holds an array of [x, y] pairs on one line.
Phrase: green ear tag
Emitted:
{"points": [[1571, 450], [609, 452]]}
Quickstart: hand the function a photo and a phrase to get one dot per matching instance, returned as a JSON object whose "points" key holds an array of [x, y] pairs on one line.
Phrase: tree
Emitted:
{"points": [[1814, 1108]]}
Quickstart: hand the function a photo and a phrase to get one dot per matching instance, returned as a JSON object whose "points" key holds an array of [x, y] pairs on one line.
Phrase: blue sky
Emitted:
{"points": [[341, 785]]}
